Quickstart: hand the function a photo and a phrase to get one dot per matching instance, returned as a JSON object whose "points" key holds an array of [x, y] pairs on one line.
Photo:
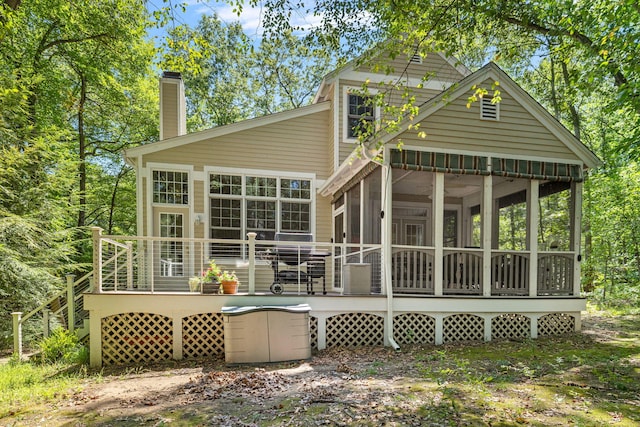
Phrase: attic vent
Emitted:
{"points": [[488, 111], [416, 59]]}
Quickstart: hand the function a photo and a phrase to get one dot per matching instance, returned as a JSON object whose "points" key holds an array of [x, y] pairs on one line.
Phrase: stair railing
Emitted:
{"points": [[68, 305]]}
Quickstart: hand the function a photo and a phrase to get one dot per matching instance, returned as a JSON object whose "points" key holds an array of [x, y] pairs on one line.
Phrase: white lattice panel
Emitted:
{"points": [[135, 338], [510, 326], [355, 330], [414, 328], [556, 324], [203, 335], [462, 327], [313, 332]]}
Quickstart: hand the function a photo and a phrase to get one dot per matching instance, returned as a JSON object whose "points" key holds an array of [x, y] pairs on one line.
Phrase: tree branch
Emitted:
{"points": [[581, 38]]}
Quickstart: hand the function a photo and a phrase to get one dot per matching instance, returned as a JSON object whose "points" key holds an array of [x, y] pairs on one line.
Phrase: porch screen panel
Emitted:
{"points": [[533, 169], [439, 162]]}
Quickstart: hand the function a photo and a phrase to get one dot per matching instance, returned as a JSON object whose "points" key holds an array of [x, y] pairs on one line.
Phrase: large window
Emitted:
{"points": [[265, 205], [171, 187]]}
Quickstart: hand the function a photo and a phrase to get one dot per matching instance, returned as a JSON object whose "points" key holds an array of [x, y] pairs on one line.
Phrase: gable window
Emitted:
{"points": [[170, 187], [360, 110], [489, 110], [261, 204]]}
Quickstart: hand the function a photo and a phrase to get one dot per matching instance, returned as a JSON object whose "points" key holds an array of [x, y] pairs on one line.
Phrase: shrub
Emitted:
{"points": [[63, 346]]}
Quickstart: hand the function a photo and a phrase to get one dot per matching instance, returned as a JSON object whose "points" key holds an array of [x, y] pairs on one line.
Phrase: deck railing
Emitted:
{"points": [[462, 271], [412, 269], [157, 264], [66, 309]]}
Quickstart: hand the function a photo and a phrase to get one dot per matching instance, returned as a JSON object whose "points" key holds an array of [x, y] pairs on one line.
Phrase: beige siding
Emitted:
{"points": [[296, 145], [169, 110], [517, 132], [199, 208], [395, 98], [433, 64], [330, 137]]}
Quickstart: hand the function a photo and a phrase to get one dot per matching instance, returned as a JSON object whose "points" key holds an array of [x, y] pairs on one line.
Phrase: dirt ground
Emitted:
{"points": [[368, 386]]}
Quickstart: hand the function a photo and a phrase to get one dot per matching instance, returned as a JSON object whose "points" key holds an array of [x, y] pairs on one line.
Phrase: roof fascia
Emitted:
{"points": [[227, 129]]}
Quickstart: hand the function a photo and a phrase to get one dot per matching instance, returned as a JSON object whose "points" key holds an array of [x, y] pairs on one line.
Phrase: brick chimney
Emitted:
{"points": [[173, 112]]}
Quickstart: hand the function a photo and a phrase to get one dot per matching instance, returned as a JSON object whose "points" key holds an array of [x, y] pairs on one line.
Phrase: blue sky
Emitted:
{"points": [[250, 18]]}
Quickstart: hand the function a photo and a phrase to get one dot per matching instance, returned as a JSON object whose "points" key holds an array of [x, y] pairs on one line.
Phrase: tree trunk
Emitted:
{"points": [[82, 154], [575, 117]]}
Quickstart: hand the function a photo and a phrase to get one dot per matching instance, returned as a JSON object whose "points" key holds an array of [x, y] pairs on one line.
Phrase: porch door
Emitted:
{"points": [[412, 232], [338, 249], [171, 258]]}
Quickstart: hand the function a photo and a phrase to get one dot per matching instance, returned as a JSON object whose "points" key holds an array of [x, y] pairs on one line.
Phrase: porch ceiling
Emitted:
{"points": [[420, 183]]}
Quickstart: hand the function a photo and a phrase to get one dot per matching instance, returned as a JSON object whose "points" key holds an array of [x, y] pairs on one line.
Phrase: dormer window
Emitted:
{"points": [[360, 110]]}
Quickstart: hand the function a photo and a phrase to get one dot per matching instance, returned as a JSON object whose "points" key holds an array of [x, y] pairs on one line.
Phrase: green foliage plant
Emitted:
{"points": [[63, 346]]}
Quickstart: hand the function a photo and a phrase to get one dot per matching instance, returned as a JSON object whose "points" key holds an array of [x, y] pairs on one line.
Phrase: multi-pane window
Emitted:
{"points": [[171, 187], [295, 188], [226, 184], [295, 217], [264, 205], [261, 186], [360, 110], [261, 218]]}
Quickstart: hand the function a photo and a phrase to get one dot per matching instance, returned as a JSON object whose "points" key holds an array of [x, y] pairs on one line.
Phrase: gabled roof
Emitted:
{"points": [[507, 84], [330, 77], [226, 129]]}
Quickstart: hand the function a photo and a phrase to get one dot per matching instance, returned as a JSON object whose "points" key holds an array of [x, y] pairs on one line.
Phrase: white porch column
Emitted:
{"points": [[487, 233], [576, 209], [438, 231], [533, 209], [252, 263], [387, 226]]}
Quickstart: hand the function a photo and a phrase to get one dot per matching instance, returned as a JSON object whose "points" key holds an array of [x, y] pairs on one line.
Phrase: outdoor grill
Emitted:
{"points": [[296, 254]]}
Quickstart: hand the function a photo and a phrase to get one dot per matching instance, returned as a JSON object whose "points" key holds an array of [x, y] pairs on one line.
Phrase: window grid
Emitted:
{"points": [[295, 189], [255, 204], [225, 184], [170, 187], [360, 108], [258, 186], [171, 253], [295, 217]]}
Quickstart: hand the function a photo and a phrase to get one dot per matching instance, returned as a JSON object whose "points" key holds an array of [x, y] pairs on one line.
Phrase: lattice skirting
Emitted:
{"points": [[136, 337], [313, 332], [414, 328], [146, 338], [556, 324], [510, 326], [203, 335], [462, 327], [355, 330]]}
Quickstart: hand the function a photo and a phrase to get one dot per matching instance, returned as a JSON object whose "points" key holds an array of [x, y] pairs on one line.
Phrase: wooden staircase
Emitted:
{"points": [[67, 307]]}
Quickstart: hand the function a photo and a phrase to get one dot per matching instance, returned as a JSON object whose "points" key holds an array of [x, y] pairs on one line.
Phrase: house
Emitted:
{"points": [[471, 232]]}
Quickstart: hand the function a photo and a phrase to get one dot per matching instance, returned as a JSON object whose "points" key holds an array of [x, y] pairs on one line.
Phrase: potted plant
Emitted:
{"points": [[208, 281], [195, 284], [229, 282]]}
